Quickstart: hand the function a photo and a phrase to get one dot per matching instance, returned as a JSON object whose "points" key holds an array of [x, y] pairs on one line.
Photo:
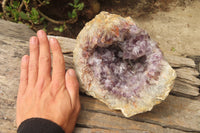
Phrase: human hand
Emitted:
{"points": [[44, 95]]}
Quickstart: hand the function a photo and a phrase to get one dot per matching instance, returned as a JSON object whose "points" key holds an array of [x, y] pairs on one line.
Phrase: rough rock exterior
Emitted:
{"points": [[120, 65]]}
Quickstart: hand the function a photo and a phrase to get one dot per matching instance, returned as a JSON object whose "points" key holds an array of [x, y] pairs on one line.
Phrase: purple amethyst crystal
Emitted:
{"points": [[128, 66]]}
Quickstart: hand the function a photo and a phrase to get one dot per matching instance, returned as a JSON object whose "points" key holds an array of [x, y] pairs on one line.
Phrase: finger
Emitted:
{"points": [[44, 56], [72, 86], [23, 75], [33, 61], [58, 74]]}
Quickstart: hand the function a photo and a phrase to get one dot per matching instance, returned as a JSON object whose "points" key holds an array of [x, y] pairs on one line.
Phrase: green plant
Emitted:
{"points": [[33, 16], [61, 28], [44, 2], [1, 14], [13, 10], [28, 12], [45, 27], [27, 1], [76, 7]]}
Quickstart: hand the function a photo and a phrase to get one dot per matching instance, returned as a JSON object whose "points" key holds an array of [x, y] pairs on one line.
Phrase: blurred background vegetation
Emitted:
{"points": [[67, 17]]}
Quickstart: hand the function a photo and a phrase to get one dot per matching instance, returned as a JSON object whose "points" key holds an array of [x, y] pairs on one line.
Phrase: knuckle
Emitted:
{"points": [[40, 84], [40, 90], [56, 85], [59, 73], [59, 60], [55, 48], [52, 93], [33, 48], [45, 58], [33, 67]]}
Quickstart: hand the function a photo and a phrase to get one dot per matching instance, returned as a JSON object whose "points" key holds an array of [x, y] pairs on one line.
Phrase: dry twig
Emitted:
{"points": [[20, 7], [70, 21], [4, 6]]}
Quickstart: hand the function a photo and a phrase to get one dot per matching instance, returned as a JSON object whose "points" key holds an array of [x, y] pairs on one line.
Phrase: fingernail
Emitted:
{"points": [[71, 72], [33, 40], [25, 58], [41, 33], [52, 40]]}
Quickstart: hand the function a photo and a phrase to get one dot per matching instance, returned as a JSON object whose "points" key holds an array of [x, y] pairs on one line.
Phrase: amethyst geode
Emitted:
{"points": [[119, 64], [127, 66]]}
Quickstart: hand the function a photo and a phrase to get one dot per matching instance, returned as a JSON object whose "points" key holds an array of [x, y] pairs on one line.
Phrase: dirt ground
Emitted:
{"points": [[175, 25]]}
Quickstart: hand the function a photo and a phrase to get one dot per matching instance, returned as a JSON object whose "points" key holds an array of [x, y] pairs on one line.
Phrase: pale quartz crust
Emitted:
{"points": [[95, 33]]}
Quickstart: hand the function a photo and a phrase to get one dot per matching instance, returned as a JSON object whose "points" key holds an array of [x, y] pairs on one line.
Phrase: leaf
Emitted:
{"points": [[75, 6], [34, 16], [7, 14], [15, 15], [44, 29], [47, 2], [61, 29], [28, 14], [56, 28], [69, 14], [1, 14], [80, 6], [74, 14], [24, 16], [27, 1], [71, 4], [35, 21], [34, 12], [76, 2], [15, 4], [8, 8], [42, 19]]}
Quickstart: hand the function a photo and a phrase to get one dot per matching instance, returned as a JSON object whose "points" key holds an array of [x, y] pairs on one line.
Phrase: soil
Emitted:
{"points": [[0, 6], [134, 8], [174, 24], [59, 12]]}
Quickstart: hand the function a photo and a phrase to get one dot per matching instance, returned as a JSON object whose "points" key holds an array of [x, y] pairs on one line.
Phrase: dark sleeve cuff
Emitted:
{"points": [[39, 125]]}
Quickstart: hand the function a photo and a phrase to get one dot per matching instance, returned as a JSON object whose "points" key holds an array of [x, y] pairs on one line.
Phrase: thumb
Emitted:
{"points": [[72, 86]]}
